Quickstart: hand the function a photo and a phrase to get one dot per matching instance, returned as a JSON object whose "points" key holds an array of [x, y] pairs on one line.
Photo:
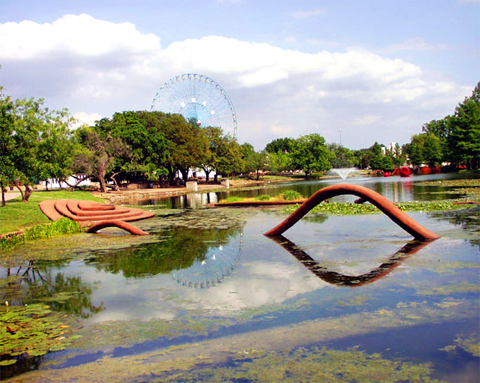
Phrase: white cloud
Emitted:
{"points": [[99, 67], [83, 118], [73, 35]]}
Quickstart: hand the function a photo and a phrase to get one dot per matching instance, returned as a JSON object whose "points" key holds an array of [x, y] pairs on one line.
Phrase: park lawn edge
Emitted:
{"points": [[18, 215]]}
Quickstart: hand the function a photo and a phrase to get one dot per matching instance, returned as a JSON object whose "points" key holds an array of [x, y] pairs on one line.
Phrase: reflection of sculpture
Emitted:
{"points": [[350, 280], [217, 264], [386, 206]]}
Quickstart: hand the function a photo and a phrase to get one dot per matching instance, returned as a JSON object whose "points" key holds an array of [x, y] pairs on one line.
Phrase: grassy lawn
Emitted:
{"points": [[18, 215]]}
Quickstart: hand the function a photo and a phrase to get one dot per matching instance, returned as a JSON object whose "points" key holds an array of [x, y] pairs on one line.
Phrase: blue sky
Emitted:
{"points": [[377, 70]]}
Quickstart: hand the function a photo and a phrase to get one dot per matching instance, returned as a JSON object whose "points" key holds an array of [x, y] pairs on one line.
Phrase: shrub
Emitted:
{"points": [[264, 197], [291, 195]]}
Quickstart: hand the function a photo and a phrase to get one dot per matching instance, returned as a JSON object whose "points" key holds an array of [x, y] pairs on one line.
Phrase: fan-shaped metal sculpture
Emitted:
{"points": [[198, 97], [218, 263]]}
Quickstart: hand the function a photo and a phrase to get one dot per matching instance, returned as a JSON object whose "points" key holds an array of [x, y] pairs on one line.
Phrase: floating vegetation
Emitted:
{"points": [[452, 183], [310, 365], [463, 287], [32, 330], [346, 208], [357, 300], [470, 344]]}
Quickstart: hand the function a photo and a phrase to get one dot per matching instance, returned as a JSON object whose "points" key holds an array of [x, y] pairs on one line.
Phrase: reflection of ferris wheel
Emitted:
{"points": [[199, 97], [218, 264]]}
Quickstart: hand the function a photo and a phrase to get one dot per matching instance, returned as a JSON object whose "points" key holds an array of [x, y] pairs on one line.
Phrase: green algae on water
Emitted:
{"points": [[463, 287], [357, 300], [309, 365]]}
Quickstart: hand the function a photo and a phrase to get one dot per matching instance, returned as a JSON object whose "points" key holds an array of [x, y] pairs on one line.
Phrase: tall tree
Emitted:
{"points": [[284, 145], [98, 154], [310, 153], [343, 156], [36, 142], [7, 143], [253, 161], [464, 139]]}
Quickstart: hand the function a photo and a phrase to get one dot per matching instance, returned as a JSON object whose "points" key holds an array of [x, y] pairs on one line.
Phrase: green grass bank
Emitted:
{"points": [[18, 215]]}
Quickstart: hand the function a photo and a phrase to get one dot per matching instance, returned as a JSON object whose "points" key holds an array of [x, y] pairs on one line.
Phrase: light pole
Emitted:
{"points": [[340, 132]]}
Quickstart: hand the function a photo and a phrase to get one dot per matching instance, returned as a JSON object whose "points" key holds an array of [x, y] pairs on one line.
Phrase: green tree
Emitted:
{"points": [[253, 161], [464, 139], [142, 132], [36, 142], [343, 156], [376, 159], [310, 153], [284, 145], [98, 154], [7, 143]]}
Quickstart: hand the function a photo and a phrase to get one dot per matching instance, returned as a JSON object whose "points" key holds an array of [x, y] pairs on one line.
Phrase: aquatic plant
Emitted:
{"points": [[32, 330], [310, 365], [49, 230], [346, 208], [291, 195]]}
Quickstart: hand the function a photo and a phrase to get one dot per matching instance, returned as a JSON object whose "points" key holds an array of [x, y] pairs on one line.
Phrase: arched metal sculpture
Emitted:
{"points": [[407, 223]]}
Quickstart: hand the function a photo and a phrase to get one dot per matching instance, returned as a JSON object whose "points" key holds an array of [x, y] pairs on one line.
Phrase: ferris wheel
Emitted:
{"points": [[198, 97]]}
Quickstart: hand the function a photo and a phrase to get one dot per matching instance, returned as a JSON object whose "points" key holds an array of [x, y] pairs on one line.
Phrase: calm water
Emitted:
{"points": [[396, 189], [208, 298]]}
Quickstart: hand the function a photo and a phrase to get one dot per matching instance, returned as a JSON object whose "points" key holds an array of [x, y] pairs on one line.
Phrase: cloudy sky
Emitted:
{"points": [[355, 71]]}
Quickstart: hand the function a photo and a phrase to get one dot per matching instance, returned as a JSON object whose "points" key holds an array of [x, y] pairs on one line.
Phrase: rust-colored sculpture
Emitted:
{"points": [[386, 206], [95, 215]]}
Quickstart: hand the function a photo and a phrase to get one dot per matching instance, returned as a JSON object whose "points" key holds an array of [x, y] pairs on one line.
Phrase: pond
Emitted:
{"points": [[396, 189], [208, 298]]}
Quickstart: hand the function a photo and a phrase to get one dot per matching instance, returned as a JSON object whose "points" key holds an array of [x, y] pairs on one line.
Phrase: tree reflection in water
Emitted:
{"points": [[36, 282], [177, 249], [218, 263], [350, 280]]}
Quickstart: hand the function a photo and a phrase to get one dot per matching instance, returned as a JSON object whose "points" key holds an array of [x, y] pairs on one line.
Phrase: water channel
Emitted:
{"points": [[208, 298]]}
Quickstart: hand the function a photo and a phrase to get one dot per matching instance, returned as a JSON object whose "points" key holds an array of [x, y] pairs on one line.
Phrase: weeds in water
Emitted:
{"points": [[264, 197], [291, 195], [340, 208]]}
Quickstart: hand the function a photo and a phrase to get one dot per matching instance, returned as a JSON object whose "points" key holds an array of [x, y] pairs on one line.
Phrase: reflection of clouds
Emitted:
{"points": [[255, 285], [252, 286]]}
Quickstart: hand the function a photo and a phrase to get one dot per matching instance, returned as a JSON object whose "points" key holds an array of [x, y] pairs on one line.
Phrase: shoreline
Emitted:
{"points": [[124, 196]]}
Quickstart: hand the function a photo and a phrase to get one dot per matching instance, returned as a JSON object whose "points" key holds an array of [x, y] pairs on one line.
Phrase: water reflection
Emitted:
{"points": [[177, 249], [396, 189], [33, 283], [217, 264], [191, 200], [336, 278]]}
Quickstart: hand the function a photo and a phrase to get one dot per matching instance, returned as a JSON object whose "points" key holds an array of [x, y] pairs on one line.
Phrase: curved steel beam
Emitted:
{"points": [[407, 223], [116, 223]]}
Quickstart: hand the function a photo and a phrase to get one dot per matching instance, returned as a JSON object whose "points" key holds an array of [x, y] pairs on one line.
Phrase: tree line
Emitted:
{"points": [[37, 144]]}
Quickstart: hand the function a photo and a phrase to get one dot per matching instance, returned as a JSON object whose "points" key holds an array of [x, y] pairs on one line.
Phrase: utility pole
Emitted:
{"points": [[340, 132]]}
